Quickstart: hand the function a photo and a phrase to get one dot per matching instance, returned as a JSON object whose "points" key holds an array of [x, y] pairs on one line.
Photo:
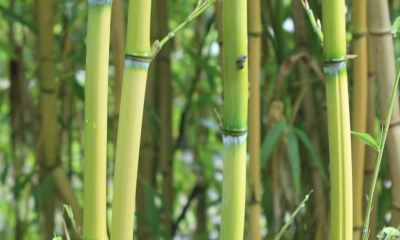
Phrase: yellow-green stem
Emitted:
{"points": [[96, 92], [234, 127], [137, 60], [359, 121]]}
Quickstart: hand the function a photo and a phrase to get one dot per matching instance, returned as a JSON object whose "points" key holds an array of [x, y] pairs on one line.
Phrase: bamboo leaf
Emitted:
{"points": [[202, 63], [294, 157], [152, 210], [310, 148], [390, 233], [395, 27], [271, 141], [367, 139], [7, 49], [18, 18]]}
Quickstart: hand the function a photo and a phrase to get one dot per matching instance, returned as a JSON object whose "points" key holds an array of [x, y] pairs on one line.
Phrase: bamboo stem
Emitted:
{"points": [[359, 121], [137, 59], [234, 127], [255, 30], [334, 58], [96, 92]]}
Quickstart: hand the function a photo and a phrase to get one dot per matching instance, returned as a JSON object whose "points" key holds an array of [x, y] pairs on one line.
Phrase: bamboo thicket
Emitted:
{"points": [[137, 59], [334, 60], [359, 120], [234, 127], [96, 92], [255, 30], [382, 45]]}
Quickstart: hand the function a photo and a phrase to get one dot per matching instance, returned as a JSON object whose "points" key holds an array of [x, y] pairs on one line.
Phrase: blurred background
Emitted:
{"points": [[179, 125]]}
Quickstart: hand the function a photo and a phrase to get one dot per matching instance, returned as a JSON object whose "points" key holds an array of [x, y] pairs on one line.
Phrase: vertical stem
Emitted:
{"points": [[370, 153], [382, 43], [334, 58], [234, 128], [137, 60], [166, 152], [118, 29], [255, 30], [359, 121], [96, 92]]}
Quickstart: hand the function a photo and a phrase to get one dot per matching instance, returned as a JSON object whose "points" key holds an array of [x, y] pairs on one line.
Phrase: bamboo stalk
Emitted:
{"points": [[255, 30], [218, 21], [382, 44], [370, 153], [359, 121], [118, 29], [334, 59], [48, 89], [304, 74], [234, 127], [96, 92], [165, 87], [137, 59]]}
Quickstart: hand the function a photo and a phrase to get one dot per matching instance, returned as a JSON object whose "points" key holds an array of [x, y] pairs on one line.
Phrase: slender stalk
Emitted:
{"points": [[380, 154], [137, 59], [218, 20], [309, 108], [48, 98], [96, 92], [370, 153], [359, 121], [118, 43], [334, 58], [255, 30], [234, 127], [382, 43], [166, 149]]}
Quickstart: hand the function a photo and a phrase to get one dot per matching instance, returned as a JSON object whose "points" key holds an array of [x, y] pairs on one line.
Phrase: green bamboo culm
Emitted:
{"points": [[137, 59], [96, 92], [334, 60], [234, 127]]}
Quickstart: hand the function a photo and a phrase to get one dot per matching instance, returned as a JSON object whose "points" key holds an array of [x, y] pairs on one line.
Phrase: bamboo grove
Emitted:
{"points": [[199, 119]]}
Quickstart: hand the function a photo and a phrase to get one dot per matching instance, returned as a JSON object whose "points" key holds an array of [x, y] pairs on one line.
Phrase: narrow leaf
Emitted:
{"points": [[367, 139], [390, 233], [310, 148], [152, 210], [270, 141], [294, 157], [395, 26]]}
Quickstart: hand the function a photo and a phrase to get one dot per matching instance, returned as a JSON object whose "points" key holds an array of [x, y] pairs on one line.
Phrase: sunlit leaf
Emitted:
{"points": [[310, 147], [367, 139], [294, 157], [390, 233], [271, 141], [395, 27]]}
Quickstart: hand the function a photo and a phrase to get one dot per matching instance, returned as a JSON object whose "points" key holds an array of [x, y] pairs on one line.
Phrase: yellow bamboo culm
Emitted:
{"points": [[359, 121], [370, 153], [137, 60], [255, 30], [96, 92]]}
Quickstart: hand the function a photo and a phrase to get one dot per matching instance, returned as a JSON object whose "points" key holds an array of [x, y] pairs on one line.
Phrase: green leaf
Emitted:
{"points": [[7, 49], [310, 148], [390, 233], [57, 238], [43, 192], [395, 27], [152, 210], [203, 63], [270, 142], [294, 157], [367, 139], [18, 18]]}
